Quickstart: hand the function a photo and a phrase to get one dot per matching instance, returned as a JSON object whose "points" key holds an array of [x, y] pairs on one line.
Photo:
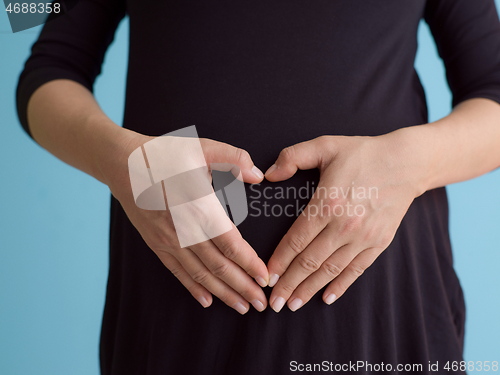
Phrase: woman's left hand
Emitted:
{"points": [[367, 184]]}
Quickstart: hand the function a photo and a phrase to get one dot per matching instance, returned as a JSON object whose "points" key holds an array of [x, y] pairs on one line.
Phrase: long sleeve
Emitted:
{"points": [[70, 47], [467, 35]]}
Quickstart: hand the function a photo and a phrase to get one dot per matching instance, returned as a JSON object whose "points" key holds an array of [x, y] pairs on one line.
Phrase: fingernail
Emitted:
{"points": [[330, 299], [260, 280], [259, 306], [278, 304], [273, 279], [240, 308], [295, 304], [271, 169], [203, 301], [256, 171]]}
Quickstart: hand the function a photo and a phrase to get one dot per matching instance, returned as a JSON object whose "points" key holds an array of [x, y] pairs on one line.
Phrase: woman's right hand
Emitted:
{"points": [[225, 266]]}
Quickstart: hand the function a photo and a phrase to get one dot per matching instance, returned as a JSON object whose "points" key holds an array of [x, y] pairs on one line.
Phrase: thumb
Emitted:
{"points": [[304, 155], [222, 153]]}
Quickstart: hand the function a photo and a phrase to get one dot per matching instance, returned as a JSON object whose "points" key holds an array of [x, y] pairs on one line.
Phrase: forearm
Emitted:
{"points": [[65, 119], [460, 146]]}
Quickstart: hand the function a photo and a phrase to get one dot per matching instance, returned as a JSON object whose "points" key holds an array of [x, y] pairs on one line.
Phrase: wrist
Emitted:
{"points": [[112, 146], [414, 154]]}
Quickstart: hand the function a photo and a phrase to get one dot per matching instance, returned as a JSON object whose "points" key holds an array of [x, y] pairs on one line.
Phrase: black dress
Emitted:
{"points": [[263, 75]]}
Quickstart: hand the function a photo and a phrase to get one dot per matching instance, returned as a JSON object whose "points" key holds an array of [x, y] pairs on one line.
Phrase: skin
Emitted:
{"points": [[334, 249], [318, 250], [65, 119]]}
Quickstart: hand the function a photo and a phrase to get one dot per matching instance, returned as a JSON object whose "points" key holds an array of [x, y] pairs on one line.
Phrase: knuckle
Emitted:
{"points": [[176, 271], [162, 242], [160, 249], [309, 264], [242, 156], [288, 288], [221, 270], [331, 269], [297, 243], [287, 153], [229, 249], [370, 234], [157, 243], [200, 276], [356, 269], [351, 225], [332, 206]]}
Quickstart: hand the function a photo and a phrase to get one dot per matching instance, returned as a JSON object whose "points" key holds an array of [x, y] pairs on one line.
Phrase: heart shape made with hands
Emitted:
{"points": [[316, 252]]}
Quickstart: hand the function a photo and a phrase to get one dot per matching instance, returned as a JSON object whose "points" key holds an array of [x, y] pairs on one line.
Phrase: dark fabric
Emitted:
{"points": [[263, 75], [70, 47]]}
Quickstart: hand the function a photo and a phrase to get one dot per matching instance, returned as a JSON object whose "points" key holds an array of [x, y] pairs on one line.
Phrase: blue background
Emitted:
{"points": [[54, 230]]}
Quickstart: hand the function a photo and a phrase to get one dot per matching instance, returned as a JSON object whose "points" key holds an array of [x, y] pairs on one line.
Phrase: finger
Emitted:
{"points": [[231, 274], [303, 231], [305, 264], [304, 155], [331, 268], [202, 275], [350, 274], [220, 153], [200, 293], [232, 245]]}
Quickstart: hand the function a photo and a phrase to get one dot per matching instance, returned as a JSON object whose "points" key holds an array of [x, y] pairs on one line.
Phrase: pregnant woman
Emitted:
{"points": [[318, 94]]}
